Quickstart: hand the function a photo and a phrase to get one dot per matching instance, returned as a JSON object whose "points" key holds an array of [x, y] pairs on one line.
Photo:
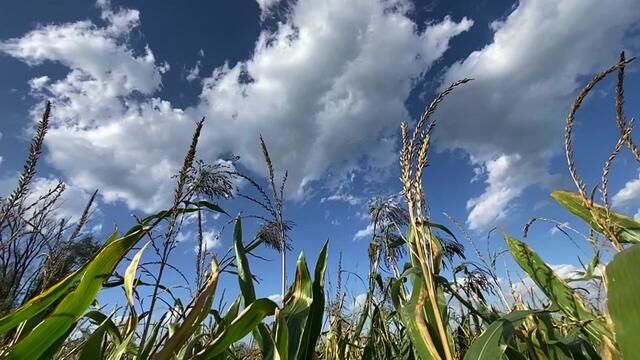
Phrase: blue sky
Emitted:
{"points": [[327, 83]]}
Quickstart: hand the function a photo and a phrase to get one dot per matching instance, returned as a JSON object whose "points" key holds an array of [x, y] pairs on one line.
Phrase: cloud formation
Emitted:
{"points": [[326, 89], [510, 119]]}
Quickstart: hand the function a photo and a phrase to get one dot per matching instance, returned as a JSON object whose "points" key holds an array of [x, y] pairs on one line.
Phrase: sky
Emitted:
{"points": [[327, 84]]}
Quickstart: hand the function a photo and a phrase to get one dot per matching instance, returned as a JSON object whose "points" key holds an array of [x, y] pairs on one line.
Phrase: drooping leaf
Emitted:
{"points": [[110, 327], [130, 275], [418, 332], [623, 298], [626, 229], [556, 289]]}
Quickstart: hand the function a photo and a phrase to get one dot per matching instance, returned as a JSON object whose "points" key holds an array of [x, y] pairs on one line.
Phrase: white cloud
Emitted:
{"points": [[193, 73], [347, 198], [315, 84], [628, 196], [332, 69], [364, 233], [266, 6], [507, 177], [556, 229], [511, 116], [276, 298], [210, 240], [38, 83]]}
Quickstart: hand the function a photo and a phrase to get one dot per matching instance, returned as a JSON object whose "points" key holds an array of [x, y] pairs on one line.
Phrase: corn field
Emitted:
{"points": [[425, 300]]}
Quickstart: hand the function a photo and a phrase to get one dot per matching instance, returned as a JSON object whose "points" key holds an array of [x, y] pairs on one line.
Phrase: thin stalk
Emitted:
{"points": [[180, 197]]}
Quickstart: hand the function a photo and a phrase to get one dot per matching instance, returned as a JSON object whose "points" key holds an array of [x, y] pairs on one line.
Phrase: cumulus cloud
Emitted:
{"points": [[628, 196], [326, 89], [511, 117], [504, 184], [210, 240], [364, 233]]}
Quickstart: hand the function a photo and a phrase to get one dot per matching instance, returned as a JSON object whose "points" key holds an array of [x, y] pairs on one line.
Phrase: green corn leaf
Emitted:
{"points": [[101, 319], [71, 308], [144, 352], [198, 313], [493, 342], [211, 206], [92, 348], [316, 311], [52, 351], [627, 229], [409, 311], [281, 337], [122, 348], [245, 279], [232, 313], [556, 289], [246, 321], [623, 299], [296, 307]]}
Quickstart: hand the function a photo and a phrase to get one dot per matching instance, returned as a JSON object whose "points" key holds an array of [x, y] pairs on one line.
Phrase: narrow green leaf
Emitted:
{"points": [[295, 310], [313, 325], [99, 318], [281, 337], [121, 349], [624, 301], [211, 206], [144, 352], [92, 348], [245, 279]]}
